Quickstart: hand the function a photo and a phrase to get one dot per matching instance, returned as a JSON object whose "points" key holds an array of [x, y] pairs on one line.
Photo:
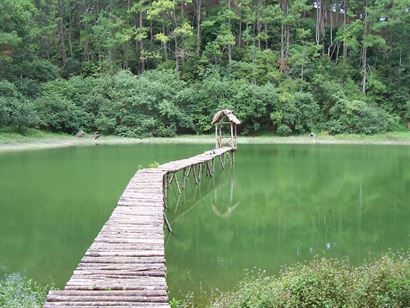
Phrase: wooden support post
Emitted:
{"points": [[178, 201], [183, 178], [232, 137], [177, 182], [165, 189], [167, 224], [200, 172], [195, 175], [230, 157], [213, 165], [222, 158], [216, 137], [236, 135], [171, 179], [209, 169], [220, 135]]}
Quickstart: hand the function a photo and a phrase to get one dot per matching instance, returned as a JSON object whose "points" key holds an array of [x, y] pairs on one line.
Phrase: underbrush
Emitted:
{"points": [[321, 282], [326, 283], [17, 290]]}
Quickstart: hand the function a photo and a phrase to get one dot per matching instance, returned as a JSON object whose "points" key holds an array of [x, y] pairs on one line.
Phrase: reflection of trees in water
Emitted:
{"points": [[292, 207], [347, 212]]}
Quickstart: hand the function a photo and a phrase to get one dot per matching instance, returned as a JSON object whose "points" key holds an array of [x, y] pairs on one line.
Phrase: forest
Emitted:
{"points": [[140, 68]]}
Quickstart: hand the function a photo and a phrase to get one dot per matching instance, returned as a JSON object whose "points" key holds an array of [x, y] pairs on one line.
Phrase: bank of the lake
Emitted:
{"points": [[35, 139]]}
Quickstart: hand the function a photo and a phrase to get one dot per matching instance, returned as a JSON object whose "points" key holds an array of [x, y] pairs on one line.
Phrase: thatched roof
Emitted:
{"points": [[225, 113]]}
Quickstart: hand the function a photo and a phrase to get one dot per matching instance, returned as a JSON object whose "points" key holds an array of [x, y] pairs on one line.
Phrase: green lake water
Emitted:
{"points": [[280, 204]]}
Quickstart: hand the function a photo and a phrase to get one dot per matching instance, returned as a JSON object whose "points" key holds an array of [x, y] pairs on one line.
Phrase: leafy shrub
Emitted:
{"points": [[295, 112], [358, 117], [38, 70], [59, 114], [19, 291], [15, 111], [284, 130], [326, 283], [143, 106]]}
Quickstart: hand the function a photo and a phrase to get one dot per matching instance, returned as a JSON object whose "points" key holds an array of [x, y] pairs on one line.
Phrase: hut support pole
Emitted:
{"points": [[222, 160], [216, 137], [230, 158], [232, 137], [236, 134]]}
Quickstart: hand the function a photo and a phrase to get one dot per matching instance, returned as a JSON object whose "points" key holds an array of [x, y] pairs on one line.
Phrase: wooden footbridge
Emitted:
{"points": [[125, 265]]}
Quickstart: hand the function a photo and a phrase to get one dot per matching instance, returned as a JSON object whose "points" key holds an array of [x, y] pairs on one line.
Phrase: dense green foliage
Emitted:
{"points": [[19, 291], [141, 68], [326, 283]]}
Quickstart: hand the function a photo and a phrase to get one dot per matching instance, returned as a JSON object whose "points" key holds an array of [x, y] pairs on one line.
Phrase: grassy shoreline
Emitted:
{"points": [[35, 139]]}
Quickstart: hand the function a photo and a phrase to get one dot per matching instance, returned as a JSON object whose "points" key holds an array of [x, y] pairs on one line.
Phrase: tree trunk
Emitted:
{"points": [[176, 43], [141, 42], [70, 30], [285, 32], [165, 44], [240, 34], [61, 31], [127, 44], [345, 9], [331, 31], [320, 23], [282, 41], [266, 40], [229, 45], [198, 23], [258, 24], [364, 50], [317, 32]]}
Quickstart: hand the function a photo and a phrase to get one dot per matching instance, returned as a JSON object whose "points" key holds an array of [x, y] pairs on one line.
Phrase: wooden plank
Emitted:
{"points": [[104, 298], [108, 293]]}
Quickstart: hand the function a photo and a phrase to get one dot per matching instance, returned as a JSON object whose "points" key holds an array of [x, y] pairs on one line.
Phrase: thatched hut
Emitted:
{"points": [[225, 118]]}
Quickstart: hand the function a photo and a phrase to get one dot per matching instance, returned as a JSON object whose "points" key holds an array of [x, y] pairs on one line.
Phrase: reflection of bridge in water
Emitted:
{"points": [[125, 265], [212, 192]]}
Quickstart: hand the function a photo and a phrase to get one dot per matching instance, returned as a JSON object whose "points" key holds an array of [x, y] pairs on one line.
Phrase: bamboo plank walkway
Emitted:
{"points": [[125, 265]]}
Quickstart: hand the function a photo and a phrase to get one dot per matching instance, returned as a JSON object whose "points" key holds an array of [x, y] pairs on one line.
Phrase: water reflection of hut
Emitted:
{"points": [[225, 117], [228, 206]]}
